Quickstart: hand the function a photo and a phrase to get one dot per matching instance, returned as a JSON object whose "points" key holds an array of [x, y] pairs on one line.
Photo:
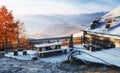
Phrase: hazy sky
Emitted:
{"points": [[59, 6]]}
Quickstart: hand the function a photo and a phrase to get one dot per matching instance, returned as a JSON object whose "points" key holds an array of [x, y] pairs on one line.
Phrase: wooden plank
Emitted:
{"points": [[47, 45], [46, 39], [54, 50]]}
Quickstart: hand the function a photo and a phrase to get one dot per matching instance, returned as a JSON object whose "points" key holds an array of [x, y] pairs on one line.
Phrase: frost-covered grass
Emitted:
{"points": [[9, 65]]}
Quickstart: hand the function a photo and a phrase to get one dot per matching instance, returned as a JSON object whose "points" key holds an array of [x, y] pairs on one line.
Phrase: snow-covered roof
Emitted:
{"points": [[114, 29], [113, 13], [47, 44]]}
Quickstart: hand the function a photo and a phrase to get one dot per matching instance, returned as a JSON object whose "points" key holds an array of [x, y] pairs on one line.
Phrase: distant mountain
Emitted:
{"points": [[62, 30], [82, 18], [42, 26]]}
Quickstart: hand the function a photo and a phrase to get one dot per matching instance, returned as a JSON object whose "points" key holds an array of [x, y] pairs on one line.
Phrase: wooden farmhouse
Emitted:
{"points": [[102, 34]]}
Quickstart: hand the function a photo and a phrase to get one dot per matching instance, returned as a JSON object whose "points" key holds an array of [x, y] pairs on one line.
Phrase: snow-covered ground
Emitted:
{"points": [[9, 65], [108, 57], [105, 56], [54, 64], [20, 56]]}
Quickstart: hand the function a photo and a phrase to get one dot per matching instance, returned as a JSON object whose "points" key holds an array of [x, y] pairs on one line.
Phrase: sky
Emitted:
{"points": [[65, 7]]}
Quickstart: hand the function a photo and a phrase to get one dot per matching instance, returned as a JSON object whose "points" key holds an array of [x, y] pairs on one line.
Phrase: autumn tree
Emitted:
{"points": [[10, 30]]}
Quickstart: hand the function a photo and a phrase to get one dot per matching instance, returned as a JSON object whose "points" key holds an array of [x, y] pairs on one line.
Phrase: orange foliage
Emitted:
{"points": [[24, 43], [10, 29]]}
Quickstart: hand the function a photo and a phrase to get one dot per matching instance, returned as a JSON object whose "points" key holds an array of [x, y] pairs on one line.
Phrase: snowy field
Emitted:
{"points": [[9, 65], [107, 57], [54, 64]]}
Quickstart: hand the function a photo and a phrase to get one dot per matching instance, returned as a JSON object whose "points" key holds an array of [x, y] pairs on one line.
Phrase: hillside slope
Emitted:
{"points": [[43, 26]]}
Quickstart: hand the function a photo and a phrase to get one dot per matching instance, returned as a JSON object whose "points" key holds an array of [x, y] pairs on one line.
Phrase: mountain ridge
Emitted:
{"points": [[43, 23]]}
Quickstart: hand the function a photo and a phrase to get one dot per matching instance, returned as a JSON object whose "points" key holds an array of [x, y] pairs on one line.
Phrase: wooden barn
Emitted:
{"points": [[102, 35]]}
